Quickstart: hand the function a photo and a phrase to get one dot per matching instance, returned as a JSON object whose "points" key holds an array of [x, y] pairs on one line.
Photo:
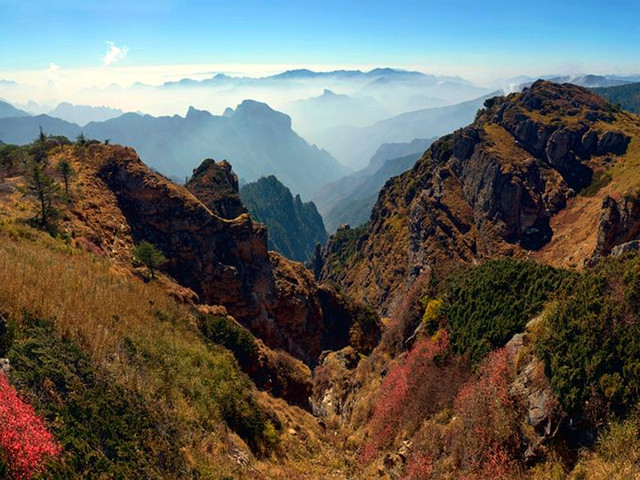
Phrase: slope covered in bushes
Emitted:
{"points": [[591, 344], [485, 306]]}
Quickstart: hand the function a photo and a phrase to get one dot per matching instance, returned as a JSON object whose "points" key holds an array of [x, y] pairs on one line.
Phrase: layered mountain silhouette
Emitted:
{"points": [[353, 146], [333, 109], [257, 139], [350, 199], [8, 111], [83, 114]]}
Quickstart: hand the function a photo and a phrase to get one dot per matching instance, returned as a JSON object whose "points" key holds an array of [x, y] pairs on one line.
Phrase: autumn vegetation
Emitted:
{"points": [[113, 376], [456, 326], [25, 443]]}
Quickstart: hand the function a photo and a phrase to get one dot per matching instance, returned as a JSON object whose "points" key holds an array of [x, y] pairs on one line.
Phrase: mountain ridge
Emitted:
{"points": [[493, 188], [295, 228], [258, 140]]}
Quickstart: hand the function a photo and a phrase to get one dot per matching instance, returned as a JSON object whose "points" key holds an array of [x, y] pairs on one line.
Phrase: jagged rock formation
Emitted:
{"points": [[224, 261], [619, 224], [216, 186], [295, 227], [489, 189]]}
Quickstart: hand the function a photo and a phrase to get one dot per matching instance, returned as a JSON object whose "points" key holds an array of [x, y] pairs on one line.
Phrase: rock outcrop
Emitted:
{"points": [[215, 185], [533, 392], [488, 189], [225, 261], [619, 224]]}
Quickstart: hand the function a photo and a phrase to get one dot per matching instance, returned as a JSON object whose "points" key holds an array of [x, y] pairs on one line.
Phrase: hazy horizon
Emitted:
{"points": [[121, 54], [72, 51]]}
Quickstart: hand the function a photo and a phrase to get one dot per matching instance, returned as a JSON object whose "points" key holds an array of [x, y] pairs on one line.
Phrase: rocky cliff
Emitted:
{"points": [[295, 227], [225, 261], [216, 185], [492, 188]]}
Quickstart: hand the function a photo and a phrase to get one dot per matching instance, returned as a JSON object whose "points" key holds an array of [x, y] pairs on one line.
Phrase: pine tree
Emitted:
{"points": [[149, 256], [39, 148], [45, 190], [66, 170]]}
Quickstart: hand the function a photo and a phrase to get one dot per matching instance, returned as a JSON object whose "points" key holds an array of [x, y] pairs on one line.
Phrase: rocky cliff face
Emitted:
{"points": [[489, 189], [215, 185], [295, 227], [225, 261], [619, 224]]}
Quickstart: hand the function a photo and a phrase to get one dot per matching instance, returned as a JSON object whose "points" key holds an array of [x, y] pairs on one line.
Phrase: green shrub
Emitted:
{"points": [[225, 331], [591, 346], [486, 305], [148, 255], [104, 429]]}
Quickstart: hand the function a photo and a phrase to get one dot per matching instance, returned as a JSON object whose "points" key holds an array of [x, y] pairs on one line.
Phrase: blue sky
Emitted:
{"points": [[582, 35]]}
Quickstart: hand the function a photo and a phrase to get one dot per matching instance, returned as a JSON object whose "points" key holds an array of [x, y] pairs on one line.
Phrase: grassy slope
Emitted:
{"points": [[140, 341]]}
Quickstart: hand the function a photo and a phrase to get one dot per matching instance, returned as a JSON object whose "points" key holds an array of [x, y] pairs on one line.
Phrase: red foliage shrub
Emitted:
{"points": [[419, 467], [488, 435], [24, 440], [415, 388]]}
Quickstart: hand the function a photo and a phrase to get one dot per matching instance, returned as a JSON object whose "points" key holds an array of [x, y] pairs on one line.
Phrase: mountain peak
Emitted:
{"points": [[251, 111], [195, 114], [495, 186], [216, 185]]}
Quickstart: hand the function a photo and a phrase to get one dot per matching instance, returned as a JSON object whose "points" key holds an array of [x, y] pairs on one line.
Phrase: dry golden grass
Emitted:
{"points": [[87, 297], [626, 170], [575, 228], [505, 147], [105, 308], [617, 455]]}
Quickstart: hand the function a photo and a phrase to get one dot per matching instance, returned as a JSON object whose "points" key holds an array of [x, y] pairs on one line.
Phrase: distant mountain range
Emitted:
{"points": [[7, 111], [627, 96], [350, 199], [83, 114], [333, 109], [589, 81], [583, 80], [354, 145], [306, 74], [258, 141], [392, 90], [295, 228]]}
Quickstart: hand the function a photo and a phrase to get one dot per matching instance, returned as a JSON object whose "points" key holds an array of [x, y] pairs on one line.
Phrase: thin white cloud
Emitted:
{"points": [[114, 54], [52, 72]]}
